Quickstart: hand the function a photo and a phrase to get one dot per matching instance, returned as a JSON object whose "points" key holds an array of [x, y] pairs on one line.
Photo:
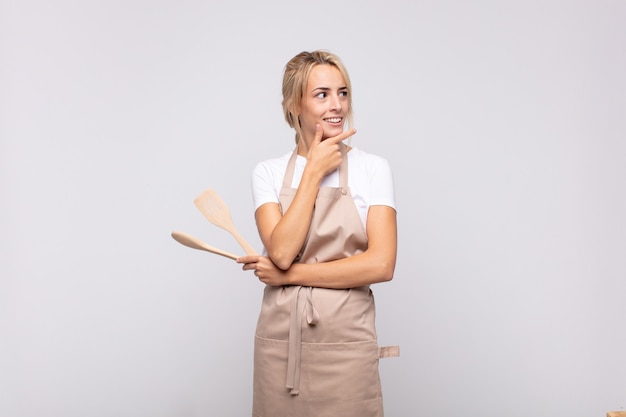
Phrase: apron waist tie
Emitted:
{"points": [[295, 335]]}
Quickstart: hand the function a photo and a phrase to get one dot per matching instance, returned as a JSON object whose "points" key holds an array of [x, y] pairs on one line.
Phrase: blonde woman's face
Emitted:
{"points": [[325, 102]]}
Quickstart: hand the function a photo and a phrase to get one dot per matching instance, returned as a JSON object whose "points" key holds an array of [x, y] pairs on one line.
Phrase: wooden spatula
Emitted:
{"points": [[194, 242], [216, 211]]}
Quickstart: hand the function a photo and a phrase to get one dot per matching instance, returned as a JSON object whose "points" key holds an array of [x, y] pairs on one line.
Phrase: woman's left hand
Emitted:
{"points": [[264, 269]]}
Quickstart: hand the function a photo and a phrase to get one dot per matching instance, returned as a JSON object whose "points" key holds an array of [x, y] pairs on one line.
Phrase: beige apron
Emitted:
{"points": [[316, 353]]}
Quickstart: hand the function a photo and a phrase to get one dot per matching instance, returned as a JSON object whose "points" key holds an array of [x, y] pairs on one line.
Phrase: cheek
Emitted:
{"points": [[309, 113]]}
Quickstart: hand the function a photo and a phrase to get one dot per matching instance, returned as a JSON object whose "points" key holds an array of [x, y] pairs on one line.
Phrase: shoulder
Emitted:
{"points": [[267, 179], [272, 166], [367, 161]]}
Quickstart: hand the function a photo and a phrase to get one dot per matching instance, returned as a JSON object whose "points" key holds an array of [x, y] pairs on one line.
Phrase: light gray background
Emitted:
{"points": [[504, 123]]}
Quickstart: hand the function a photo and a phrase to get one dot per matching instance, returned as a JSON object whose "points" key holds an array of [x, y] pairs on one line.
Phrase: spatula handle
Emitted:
{"points": [[195, 243], [243, 243]]}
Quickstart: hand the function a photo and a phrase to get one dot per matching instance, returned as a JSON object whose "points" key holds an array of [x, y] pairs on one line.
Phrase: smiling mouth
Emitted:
{"points": [[334, 120]]}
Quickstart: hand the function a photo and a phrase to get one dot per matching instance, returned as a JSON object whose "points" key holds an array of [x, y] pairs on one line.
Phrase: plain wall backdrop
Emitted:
{"points": [[504, 123]]}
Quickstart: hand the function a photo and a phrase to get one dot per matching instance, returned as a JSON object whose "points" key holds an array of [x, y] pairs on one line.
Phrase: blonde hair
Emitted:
{"points": [[295, 81]]}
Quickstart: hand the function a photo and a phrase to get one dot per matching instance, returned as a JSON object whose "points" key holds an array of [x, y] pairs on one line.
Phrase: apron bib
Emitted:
{"points": [[316, 352]]}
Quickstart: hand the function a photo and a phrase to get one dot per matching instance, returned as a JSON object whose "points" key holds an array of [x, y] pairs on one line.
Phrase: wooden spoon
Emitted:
{"points": [[195, 243], [216, 211]]}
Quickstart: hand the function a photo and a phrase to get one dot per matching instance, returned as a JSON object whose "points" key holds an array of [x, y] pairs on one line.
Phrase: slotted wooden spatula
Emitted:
{"points": [[216, 211]]}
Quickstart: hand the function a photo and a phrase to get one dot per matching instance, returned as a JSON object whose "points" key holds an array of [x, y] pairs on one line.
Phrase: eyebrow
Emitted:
{"points": [[328, 88]]}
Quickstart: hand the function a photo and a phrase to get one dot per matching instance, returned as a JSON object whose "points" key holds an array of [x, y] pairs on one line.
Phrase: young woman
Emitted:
{"points": [[326, 216]]}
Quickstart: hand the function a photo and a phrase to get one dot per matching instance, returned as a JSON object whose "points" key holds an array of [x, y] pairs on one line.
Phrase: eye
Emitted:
{"points": [[321, 95], [343, 93]]}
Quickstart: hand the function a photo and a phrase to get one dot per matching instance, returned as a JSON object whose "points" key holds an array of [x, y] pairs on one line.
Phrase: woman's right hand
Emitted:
{"points": [[324, 156]]}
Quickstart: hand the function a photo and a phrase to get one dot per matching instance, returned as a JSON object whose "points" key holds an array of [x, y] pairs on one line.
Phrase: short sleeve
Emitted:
{"points": [[381, 184], [263, 185]]}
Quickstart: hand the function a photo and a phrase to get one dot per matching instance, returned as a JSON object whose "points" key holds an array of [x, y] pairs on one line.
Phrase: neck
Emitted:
{"points": [[304, 144]]}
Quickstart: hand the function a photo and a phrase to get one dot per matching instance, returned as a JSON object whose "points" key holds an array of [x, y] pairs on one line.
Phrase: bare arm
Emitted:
{"points": [[284, 235], [376, 264]]}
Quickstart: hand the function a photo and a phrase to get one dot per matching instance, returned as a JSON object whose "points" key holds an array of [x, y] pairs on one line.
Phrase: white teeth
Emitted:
{"points": [[334, 120]]}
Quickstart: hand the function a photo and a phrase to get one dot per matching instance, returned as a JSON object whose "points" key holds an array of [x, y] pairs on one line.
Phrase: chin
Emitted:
{"points": [[334, 131]]}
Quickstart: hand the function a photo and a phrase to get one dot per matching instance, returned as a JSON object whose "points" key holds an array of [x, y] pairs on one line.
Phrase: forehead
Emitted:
{"points": [[325, 75]]}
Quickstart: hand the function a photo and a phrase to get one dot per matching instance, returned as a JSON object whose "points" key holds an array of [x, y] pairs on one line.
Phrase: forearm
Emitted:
{"points": [[354, 271], [376, 264], [290, 229]]}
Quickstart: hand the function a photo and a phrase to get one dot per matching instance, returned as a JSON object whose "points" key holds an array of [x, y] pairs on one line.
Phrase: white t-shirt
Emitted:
{"points": [[369, 178]]}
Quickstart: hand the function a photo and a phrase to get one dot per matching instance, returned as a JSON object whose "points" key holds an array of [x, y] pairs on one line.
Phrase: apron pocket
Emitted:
{"points": [[344, 376]]}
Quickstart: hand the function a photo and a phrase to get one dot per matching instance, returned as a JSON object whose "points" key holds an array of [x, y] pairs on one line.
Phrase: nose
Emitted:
{"points": [[335, 102]]}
